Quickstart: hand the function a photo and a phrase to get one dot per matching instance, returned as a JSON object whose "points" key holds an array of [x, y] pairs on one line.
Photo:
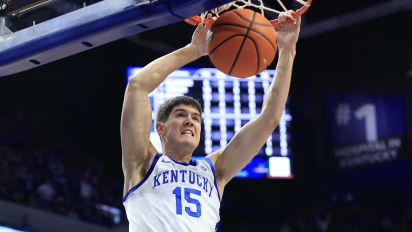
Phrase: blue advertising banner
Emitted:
{"points": [[365, 128]]}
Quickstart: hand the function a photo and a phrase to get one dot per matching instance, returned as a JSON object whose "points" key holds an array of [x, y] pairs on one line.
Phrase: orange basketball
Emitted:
{"points": [[242, 43]]}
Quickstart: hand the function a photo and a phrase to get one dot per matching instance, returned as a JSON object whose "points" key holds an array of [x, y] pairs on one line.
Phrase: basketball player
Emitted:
{"points": [[170, 192]]}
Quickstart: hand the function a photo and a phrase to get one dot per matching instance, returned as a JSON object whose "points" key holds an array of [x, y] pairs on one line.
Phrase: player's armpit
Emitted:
{"points": [[242, 148]]}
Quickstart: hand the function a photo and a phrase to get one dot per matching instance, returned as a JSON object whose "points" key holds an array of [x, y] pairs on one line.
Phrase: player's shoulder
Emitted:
{"points": [[213, 157]]}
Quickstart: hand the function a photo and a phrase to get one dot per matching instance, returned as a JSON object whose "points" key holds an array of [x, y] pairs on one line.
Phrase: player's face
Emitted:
{"points": [[183, 126]]}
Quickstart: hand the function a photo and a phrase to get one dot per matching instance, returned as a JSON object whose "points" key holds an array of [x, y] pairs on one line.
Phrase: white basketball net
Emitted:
{"points": [[257, 5]]}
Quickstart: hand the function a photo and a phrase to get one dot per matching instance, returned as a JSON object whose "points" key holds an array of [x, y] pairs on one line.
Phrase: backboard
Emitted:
{"points": [[34, 33]]}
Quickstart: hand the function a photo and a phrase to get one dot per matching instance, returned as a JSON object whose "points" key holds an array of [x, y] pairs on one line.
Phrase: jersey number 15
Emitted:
{"points": [[188, 201]]}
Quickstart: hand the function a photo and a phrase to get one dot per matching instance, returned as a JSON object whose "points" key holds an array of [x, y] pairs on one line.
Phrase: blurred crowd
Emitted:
{"points": [[345, 213], [41, 171]]}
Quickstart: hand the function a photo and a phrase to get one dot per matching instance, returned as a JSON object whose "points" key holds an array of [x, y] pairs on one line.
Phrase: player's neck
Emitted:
{"points": [[179, 156]]}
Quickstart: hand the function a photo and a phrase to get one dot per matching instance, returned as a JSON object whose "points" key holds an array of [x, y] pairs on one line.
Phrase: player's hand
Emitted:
{"points": [[199, 42], [287, 32]]}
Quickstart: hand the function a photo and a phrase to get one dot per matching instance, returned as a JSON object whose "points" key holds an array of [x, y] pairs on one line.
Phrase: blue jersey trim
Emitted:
{"points": [[192, 162], [155, 159], [214, 175]]}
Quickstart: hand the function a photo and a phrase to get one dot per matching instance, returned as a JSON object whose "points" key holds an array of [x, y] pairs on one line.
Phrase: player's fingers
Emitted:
{"points": [[283, 16], [199, 26], [210, 19], [204, 20]]}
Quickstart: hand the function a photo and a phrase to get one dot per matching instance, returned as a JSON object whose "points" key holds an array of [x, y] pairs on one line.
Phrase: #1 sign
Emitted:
{"points": [[364, 128]]}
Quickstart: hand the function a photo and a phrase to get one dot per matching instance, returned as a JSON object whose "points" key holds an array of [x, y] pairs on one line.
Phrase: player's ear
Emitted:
{"points": [[160, 128]]}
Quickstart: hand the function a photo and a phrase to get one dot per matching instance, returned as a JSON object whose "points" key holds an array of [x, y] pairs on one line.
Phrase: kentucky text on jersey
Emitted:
{"points": [[183, 176]]}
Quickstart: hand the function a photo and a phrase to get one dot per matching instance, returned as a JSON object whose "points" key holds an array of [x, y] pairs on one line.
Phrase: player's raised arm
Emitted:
{"points": [[252, 136], [137, 151]]}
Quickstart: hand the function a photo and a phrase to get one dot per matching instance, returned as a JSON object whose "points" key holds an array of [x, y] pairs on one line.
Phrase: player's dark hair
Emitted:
{"points": [[166, 108]]}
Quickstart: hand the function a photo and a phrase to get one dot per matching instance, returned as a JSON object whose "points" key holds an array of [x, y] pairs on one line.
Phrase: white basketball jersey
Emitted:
{"points": [[174, 197]]}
